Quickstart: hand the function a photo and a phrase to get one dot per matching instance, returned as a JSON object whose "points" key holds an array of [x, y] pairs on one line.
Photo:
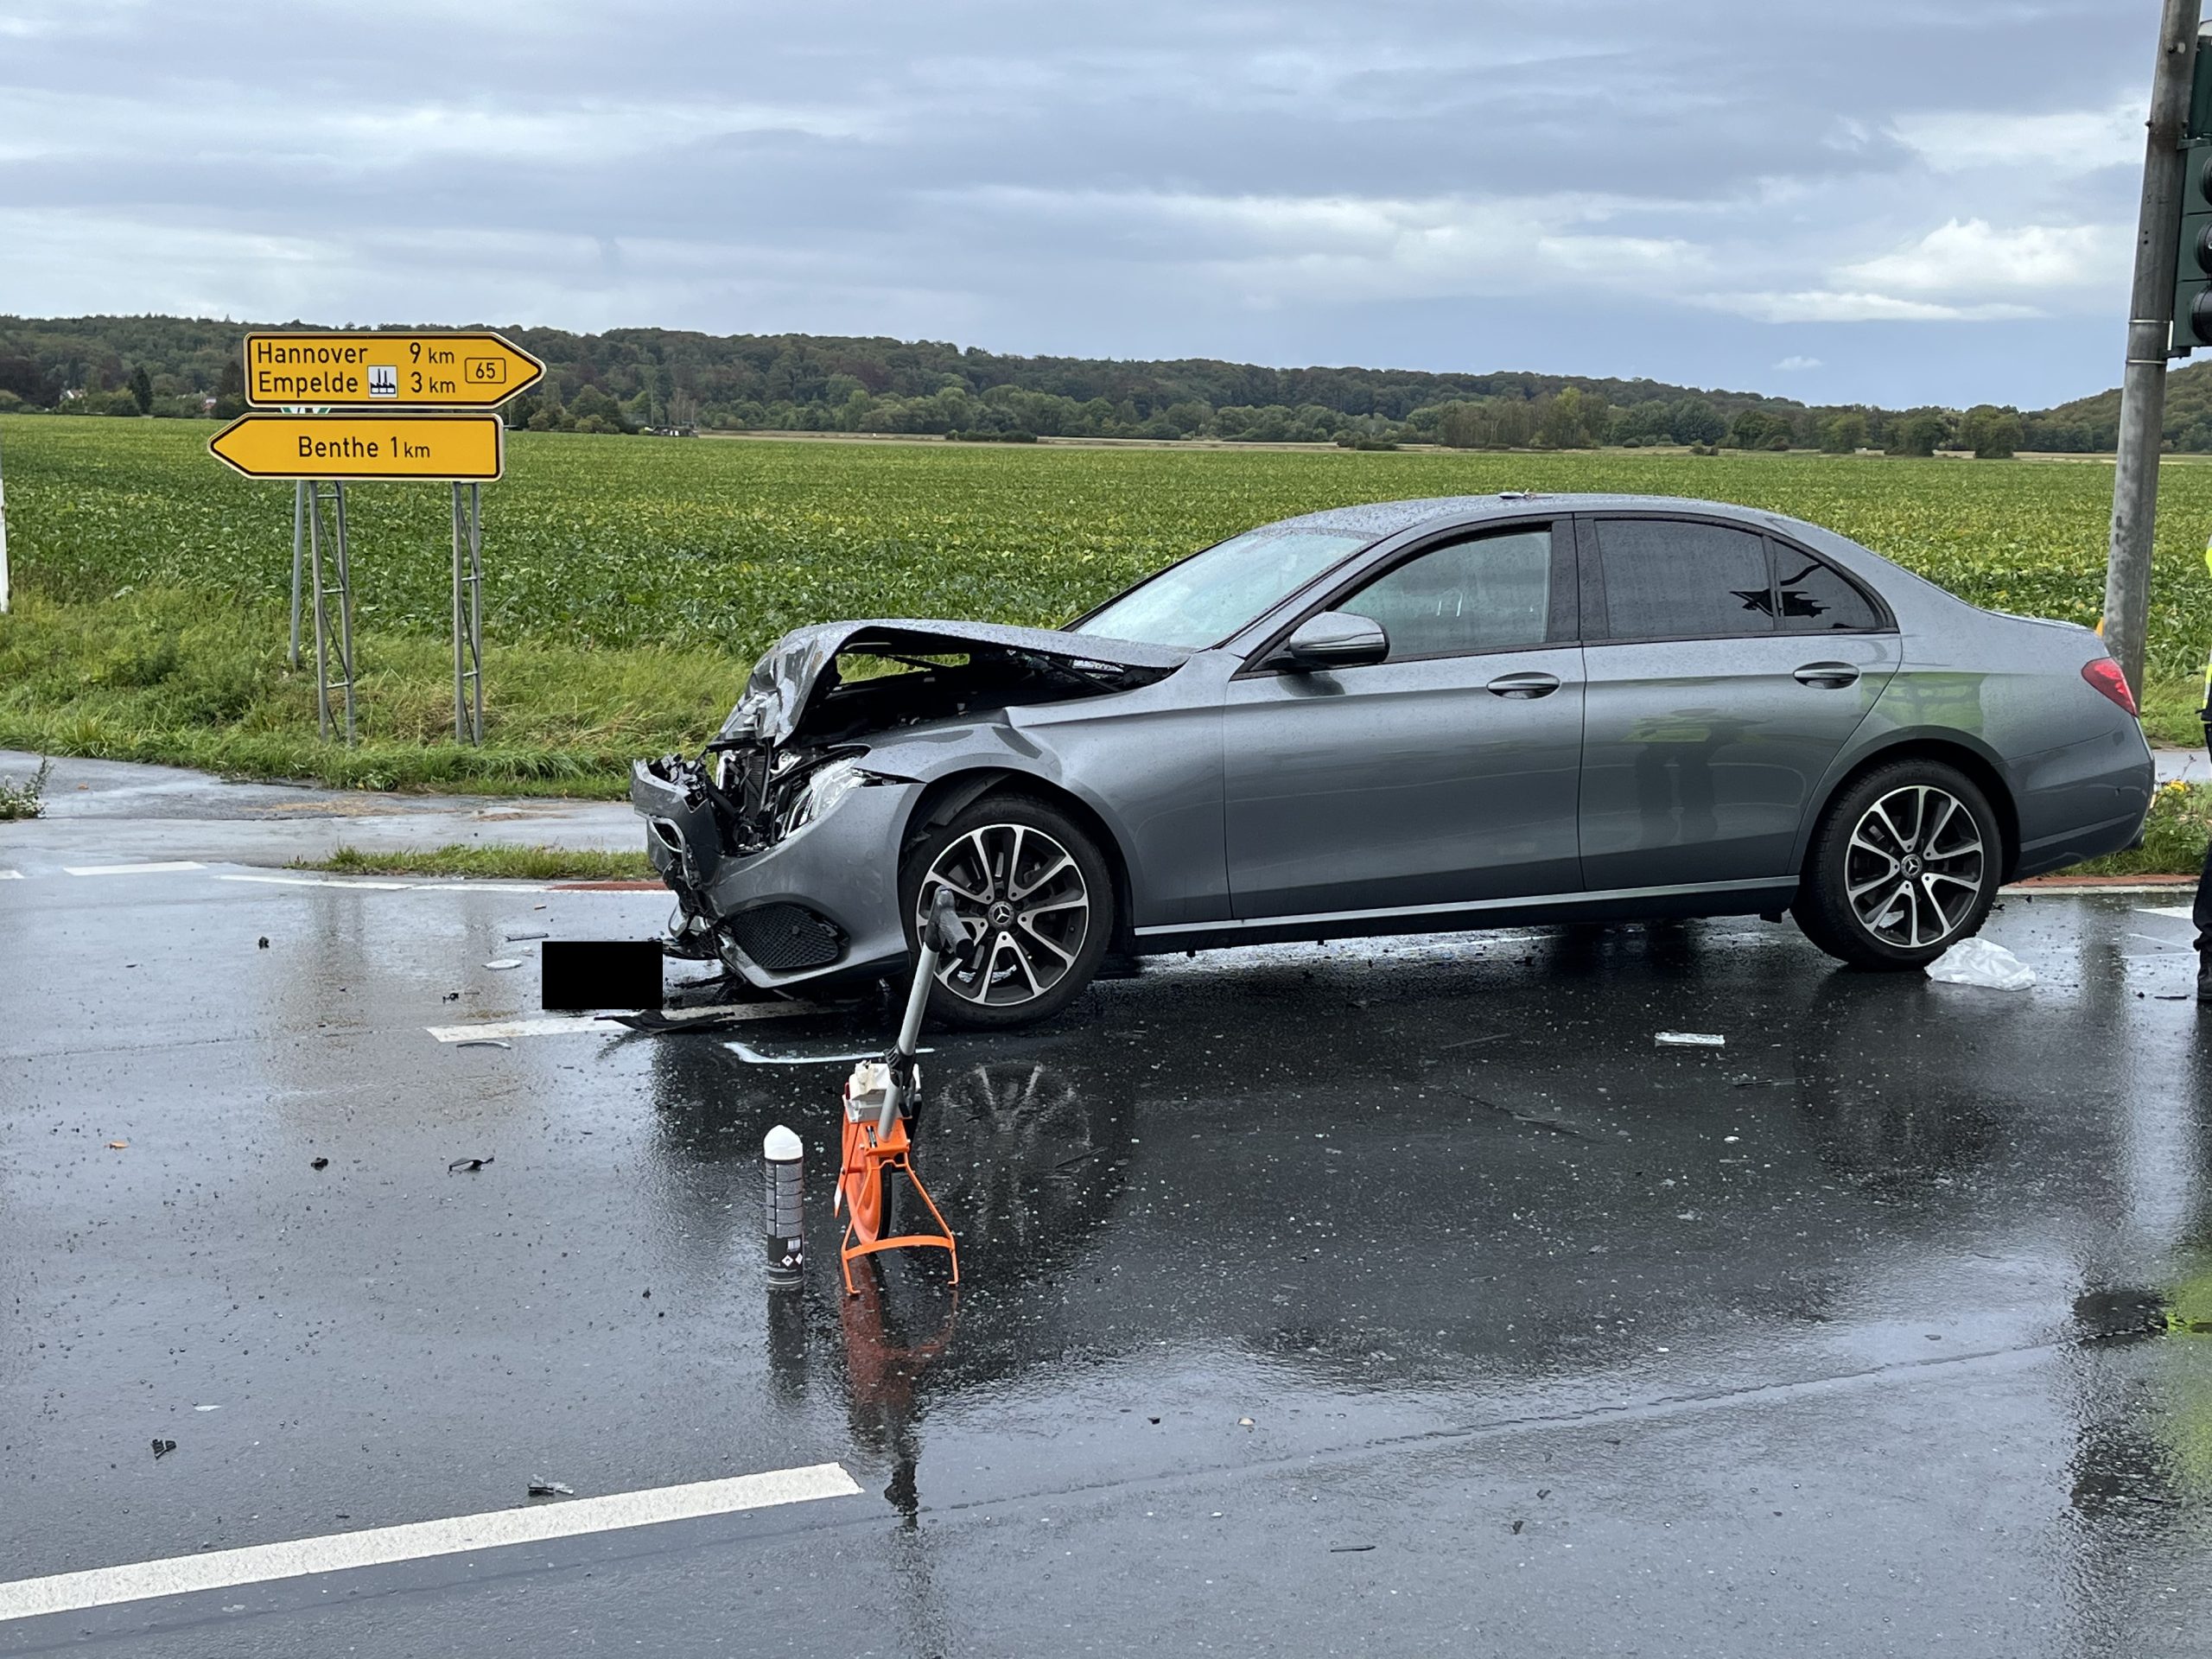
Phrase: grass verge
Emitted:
{"points": [[504, 862], [2173, 837], [2170, 717], [176, 678]]}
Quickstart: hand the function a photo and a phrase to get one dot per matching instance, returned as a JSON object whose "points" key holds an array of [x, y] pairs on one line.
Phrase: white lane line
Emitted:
{"points": [[384, 887], [754, 1057], [133, 869], [2182, 911], [318, 881], [181, 1575], [561, 1025], [481, 887], [2118, 890]]}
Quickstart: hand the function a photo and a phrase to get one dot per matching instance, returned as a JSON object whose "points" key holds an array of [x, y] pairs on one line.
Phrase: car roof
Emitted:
{"points": [[1376, 519]]}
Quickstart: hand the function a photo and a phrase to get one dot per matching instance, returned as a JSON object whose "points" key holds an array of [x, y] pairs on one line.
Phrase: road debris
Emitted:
{"points": [[471, 1165], [550, 1489], [263, 943], [1689, 1039], [318, 1163], [163, 1448], [118, 1146], [502, 963], [516, 938], [1348, 1549], [1983, 963], [652, 1019], [483, 1042]]}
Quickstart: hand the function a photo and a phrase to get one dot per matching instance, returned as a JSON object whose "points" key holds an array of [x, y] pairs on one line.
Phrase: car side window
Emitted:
{"points": [[1489, 594], [1673, 579], [1817, 599]]}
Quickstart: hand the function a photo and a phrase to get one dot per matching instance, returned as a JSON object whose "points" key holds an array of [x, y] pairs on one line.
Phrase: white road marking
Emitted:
{"points": [[319, 881], [754, 1057], [561, 1025], [181, 1575], [11, 876], [133, 869], [2182, 911], [480, 886], [2118, 890], [386, 887]]}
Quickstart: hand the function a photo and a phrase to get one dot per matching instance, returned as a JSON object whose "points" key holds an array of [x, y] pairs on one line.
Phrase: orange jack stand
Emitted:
{"points": [[869, 1162]]}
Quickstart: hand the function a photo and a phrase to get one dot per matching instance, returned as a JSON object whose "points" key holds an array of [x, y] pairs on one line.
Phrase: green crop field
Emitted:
{"points": [[629, 580]]}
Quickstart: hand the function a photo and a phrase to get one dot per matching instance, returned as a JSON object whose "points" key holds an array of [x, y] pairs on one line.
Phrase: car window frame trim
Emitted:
{"points": [[1424, 540], [1595, 602]]}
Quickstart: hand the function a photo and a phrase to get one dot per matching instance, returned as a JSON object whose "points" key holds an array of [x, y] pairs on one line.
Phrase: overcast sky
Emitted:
{"points": [[1894, 201]]}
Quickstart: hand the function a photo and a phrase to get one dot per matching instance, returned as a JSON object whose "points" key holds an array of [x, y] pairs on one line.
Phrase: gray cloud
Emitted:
{"points": [[1903, 199]]}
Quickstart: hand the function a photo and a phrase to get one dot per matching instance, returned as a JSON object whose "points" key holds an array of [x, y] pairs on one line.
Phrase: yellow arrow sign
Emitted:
{"points": [[462, 370], [360, 449]]}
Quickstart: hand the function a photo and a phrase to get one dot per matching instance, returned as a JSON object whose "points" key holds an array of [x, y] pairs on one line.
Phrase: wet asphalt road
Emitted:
{"points": [[1835, 1340]]}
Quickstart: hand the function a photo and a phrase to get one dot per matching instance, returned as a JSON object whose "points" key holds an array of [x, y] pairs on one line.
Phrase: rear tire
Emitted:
{"points": [[1036, 898], [1904, 864]]}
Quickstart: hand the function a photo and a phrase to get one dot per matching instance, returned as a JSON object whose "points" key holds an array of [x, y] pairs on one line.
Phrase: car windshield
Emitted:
{"points": [[1210, 595]]}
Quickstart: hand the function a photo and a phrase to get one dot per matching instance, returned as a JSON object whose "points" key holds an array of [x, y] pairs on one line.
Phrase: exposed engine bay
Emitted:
{"points": [[790, 748]]}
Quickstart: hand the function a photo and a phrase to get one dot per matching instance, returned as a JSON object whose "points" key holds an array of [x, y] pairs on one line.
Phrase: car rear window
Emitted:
{"points": [[1817, 599], [1670, 579]]}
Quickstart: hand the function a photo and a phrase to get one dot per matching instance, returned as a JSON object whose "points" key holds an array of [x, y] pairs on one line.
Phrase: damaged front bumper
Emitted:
{"points": [[819, 901], [781, 845]]}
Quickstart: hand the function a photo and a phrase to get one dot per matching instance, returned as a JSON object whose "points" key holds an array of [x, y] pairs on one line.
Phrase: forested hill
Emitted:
{"points": [[628, 378], [2188, 412]]}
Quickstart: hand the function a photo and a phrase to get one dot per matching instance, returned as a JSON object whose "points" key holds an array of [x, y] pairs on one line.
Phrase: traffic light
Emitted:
{"points": [[2193, 269], [2193, 252]]}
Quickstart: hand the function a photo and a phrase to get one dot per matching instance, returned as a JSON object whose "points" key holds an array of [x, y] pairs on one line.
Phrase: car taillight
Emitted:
{"points": [[2105, 675]]}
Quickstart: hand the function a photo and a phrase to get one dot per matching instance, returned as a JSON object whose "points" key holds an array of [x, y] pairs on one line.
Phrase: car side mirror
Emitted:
{"points": [[1332, 639]]}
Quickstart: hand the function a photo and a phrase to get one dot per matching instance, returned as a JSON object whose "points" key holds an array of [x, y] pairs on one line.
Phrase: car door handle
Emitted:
{"points": [[1834, 676], [1523, 686]]}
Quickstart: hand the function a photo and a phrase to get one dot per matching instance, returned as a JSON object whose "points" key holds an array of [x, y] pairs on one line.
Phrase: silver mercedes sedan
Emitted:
{"points": [[1418, 716]]}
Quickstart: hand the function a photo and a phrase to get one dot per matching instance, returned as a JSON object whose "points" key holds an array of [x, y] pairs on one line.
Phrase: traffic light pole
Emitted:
{"points": [[2150, 325]]}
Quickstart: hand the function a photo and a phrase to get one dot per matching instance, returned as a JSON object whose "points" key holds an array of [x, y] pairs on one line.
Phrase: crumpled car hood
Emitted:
{"points": [[777, 692]]}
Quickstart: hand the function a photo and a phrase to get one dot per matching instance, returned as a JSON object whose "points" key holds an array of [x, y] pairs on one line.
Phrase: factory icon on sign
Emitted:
{"points": [[383, 380]]}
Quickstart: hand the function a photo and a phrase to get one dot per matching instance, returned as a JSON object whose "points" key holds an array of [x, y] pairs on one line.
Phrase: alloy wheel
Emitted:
{"points": [[1024, 905], [1915, 867]]}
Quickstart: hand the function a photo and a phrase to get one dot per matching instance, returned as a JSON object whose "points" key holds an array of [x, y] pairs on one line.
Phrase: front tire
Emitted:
{"points": [[1905, 863], [1035, 898]]}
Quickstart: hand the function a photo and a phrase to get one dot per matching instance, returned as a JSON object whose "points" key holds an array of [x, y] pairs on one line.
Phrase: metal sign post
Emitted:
{"points": [[2150, 323], [468, 618], [331, 634], [299, 535]]}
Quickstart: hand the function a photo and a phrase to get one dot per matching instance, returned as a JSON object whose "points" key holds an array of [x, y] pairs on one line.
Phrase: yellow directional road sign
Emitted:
{"points": [[360, 448], [463, 371]]}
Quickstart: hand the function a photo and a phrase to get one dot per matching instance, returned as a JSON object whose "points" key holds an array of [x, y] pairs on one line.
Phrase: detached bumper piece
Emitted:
{"points": [[785, 939]]}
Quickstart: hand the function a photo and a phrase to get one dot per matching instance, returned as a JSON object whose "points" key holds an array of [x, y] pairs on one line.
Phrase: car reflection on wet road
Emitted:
{"points": [[1390, 1299]]}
